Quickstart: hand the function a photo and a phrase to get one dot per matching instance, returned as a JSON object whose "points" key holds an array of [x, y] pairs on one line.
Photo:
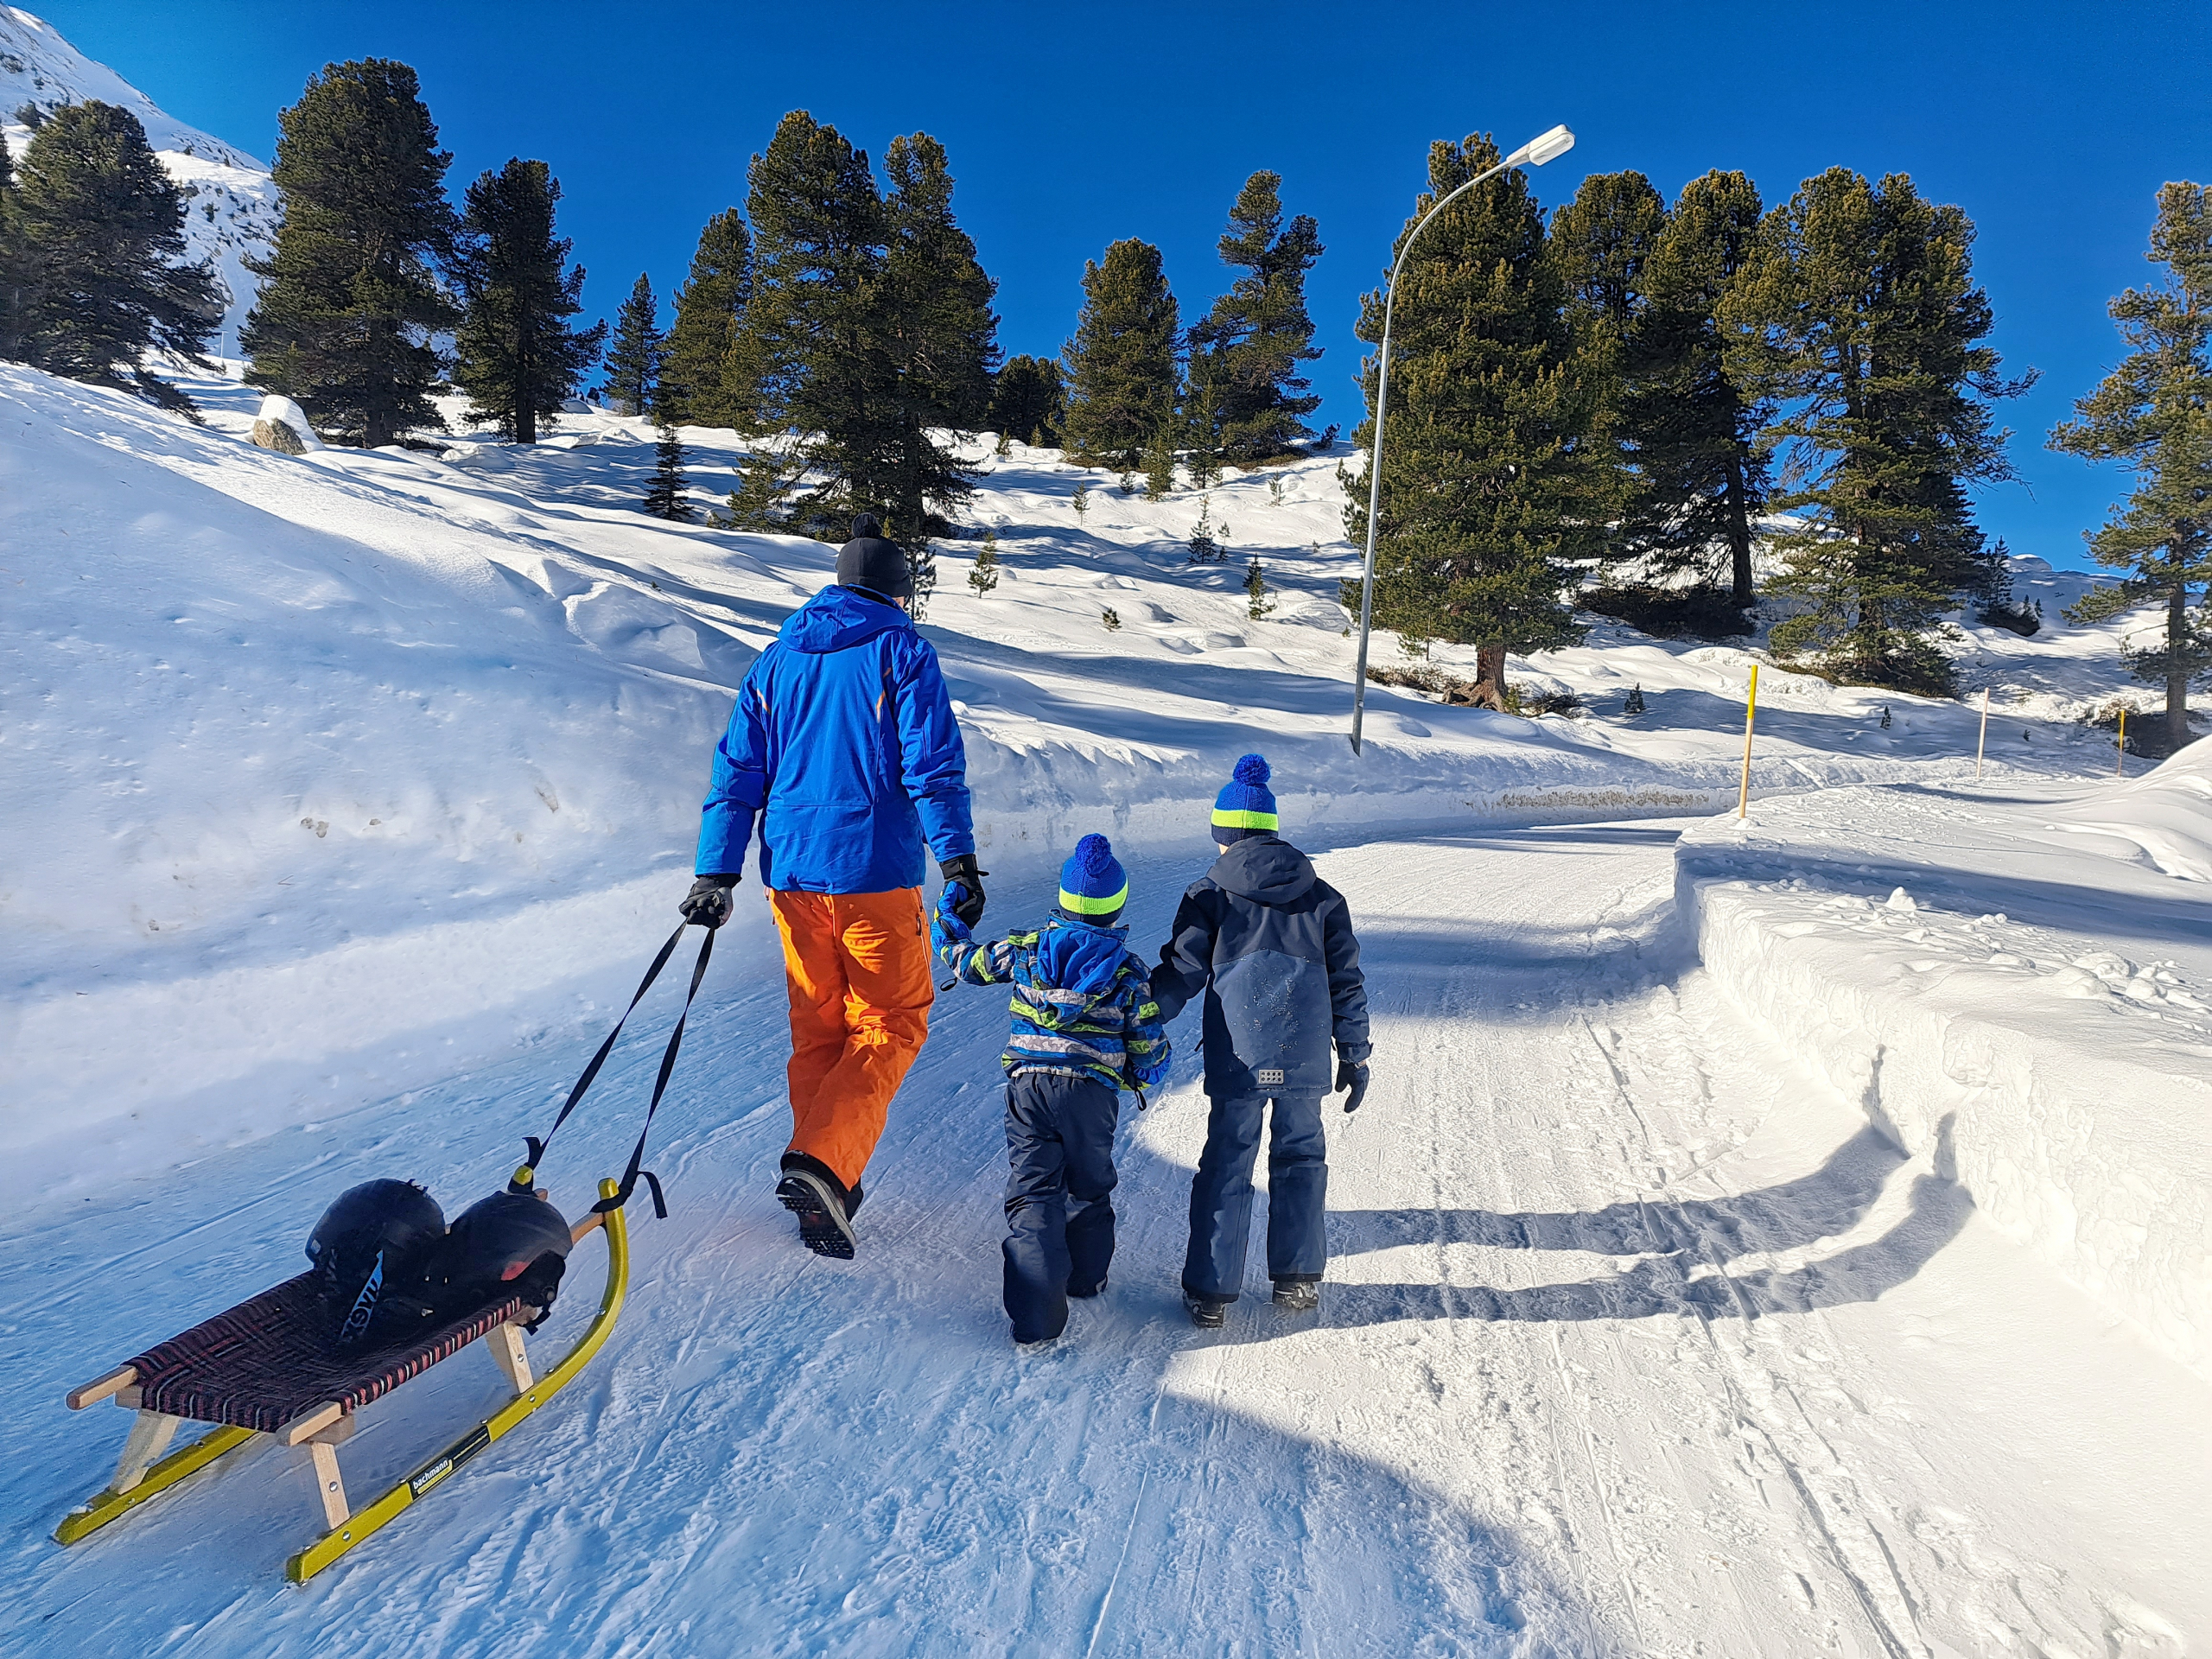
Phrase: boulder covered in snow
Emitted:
{"points": [[282, 425]]}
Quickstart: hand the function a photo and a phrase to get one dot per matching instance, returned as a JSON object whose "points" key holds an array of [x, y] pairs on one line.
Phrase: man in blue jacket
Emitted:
{"points": [[843, 750], [1271, 945]]}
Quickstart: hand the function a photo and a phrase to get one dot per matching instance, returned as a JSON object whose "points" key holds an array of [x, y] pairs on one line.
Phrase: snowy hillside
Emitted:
{"points": [[1764, 1238], [231, 204]]}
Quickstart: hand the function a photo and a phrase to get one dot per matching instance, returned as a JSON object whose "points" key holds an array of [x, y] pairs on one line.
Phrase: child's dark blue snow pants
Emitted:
{"points": [[1221, 1194], [1059, 1207]]}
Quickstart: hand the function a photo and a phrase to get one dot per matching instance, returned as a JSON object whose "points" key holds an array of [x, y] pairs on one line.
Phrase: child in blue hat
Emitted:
{"points": [[1085, 1028], [1270, 945]]}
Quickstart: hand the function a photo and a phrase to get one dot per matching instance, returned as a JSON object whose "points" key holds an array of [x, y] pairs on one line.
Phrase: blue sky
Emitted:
{"points": [[1070, 126]]}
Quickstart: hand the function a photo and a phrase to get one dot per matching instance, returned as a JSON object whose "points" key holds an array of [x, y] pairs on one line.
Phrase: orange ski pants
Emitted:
{"points": [[858, 968]]}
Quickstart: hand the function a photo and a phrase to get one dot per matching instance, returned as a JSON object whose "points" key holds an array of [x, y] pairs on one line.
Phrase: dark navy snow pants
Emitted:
{"points": [[1060, 1197], [1221, 1194]]}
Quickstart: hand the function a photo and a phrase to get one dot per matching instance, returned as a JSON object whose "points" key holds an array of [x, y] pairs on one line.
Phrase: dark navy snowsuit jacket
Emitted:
{"points": [[844, 748], [1271, 945]]}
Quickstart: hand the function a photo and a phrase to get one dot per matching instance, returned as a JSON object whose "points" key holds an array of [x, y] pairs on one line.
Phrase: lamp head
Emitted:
{"points": [[1547, 147]]}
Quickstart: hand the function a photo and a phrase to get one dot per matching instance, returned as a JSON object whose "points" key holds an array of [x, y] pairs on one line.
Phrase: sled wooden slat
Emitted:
{"points": [[307, 1424], [99, 1390]]}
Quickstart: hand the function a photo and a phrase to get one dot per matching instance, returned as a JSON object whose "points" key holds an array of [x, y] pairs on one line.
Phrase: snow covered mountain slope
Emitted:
{"points": [[232, 203]]}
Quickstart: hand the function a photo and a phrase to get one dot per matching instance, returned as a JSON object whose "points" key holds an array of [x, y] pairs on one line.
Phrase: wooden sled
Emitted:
{"points": [[262, 1369]]}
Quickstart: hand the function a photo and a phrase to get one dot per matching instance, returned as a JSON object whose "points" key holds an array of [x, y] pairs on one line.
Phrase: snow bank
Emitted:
{"points": [[1957, 967], [2163, 817]]}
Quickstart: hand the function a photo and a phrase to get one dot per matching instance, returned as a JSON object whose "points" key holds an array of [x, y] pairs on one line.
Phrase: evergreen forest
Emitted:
{"points": [[1607, 409]]}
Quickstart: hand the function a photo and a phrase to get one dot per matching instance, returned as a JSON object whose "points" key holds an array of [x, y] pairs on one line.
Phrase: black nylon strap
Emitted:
{"points": [[591, 1071], [660, 1086]]}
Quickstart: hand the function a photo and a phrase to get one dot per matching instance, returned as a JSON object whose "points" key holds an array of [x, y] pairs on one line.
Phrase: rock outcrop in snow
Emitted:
{"points": [[283, 425]]}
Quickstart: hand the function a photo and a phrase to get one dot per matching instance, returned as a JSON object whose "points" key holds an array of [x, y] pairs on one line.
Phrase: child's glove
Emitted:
{"points": [[946, 928], [1353, 1076], [965, 883]]}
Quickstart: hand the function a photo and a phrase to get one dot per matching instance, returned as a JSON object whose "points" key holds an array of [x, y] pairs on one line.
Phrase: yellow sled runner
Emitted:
{"points": [[262, 1368]]}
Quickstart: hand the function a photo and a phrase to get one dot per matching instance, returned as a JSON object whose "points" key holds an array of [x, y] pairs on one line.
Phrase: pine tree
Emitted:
{"points": [[932, 319], [984, 574], [1861, 312], [633, 360], [1256, 602], [1488, 483], [16, 271], [1257, 334], [921, 569], [1029, 400], [705, 379], [1702, 474], [2153, 414], [1204, 550], [1160, 464], [344, 319], [664, 496], [1121, 366], [1601, 242], [518, 357], [811, 327], [1203, 435], [94, 230]]}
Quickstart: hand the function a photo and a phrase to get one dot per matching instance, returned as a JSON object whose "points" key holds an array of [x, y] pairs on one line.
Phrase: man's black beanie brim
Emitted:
{"points": [[870, 562]]}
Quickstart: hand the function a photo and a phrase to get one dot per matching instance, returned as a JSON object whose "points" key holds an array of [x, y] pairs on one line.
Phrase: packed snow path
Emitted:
{"points": [[1636, 1339]]}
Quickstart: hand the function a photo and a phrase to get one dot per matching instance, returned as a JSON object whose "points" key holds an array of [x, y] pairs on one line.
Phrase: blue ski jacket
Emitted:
{"points": [[1271, 945], [1080, 1006], [843, 748]]}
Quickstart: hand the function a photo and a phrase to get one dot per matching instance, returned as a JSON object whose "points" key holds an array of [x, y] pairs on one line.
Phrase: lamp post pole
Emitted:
{"points": [[1546, 147]]}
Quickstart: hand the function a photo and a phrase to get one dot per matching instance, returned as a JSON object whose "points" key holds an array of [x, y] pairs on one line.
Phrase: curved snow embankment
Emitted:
{"points": [[1935, 961]]}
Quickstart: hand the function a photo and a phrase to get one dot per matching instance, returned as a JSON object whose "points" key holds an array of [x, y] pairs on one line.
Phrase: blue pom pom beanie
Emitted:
{"points": [[1093, 884], [1245, 807]]}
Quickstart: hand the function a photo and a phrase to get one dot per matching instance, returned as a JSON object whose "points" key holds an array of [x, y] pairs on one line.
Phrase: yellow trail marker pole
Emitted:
{"points": [[2120, 766], [1981, 743], [1751, 709]]}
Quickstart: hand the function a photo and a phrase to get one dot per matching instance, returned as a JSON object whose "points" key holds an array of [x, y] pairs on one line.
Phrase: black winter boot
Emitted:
{"points": [[821, 1203], [1207, 1316]]}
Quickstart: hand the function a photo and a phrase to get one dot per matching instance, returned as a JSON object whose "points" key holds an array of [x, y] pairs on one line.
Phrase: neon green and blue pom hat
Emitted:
{"points": [[1093, 884], [1245, 807]]}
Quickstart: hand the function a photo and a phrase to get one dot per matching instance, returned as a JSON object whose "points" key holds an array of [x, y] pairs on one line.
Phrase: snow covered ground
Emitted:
{"points": [[1703, 1277]]}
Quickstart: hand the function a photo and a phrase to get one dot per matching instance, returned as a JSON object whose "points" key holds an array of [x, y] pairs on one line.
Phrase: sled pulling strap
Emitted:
{"points": [[525, 1177]]}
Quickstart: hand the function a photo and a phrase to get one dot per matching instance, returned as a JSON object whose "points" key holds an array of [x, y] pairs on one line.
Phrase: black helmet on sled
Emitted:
{"points": [[370, 1251], [512, 1242]]}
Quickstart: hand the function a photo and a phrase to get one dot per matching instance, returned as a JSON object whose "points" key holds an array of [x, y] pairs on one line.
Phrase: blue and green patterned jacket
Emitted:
{"points": [[1082, 1001]]}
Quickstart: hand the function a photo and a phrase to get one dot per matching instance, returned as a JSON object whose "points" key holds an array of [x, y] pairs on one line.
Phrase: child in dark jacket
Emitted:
{"points": [[1085, 1028], [1271, 945]]}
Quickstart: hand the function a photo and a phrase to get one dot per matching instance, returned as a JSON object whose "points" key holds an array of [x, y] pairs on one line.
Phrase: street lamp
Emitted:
{"points": [[1546, 147]]}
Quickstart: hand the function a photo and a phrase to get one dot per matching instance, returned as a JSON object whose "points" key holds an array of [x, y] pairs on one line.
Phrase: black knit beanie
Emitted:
{"points": [[869, 561]]}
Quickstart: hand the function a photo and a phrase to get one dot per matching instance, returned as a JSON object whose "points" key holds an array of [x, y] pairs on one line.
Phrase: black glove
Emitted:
{"points": [[968, 907], [1352, 1075], [707, 903]]}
